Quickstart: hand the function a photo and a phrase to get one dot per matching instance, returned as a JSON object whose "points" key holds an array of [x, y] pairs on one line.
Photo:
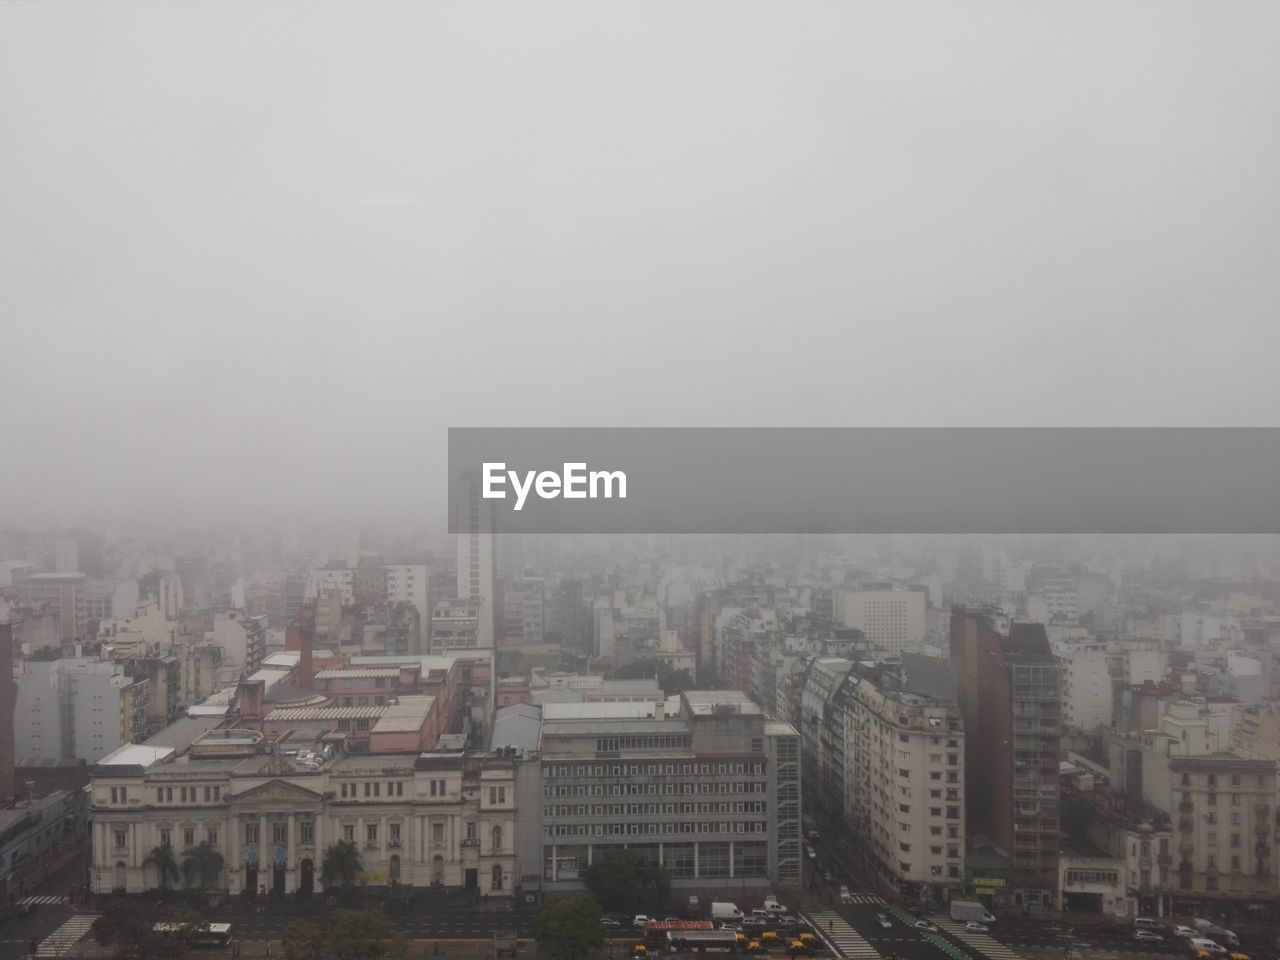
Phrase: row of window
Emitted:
{"points": [[682, 768], [652, 829], [372, 789], [651, 789], [1211, 780], [652, 809]]}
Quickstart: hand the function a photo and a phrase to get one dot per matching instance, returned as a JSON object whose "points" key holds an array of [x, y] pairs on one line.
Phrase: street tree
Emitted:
{"points": [[202, 866], [569, 929], [619, 879], [166, 864], [341, 864]]}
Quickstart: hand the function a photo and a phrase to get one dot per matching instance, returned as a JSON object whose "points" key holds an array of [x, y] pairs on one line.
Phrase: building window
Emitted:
{"points": [[496, 839], [211, 834], [497, 795], [165, 838], [280, 834], [189, 837], [251, 833], [471, 830], [349, 832], [122, 839], [496, 878], [393, 836], [307, 831], [371, 833], [437, 833]]}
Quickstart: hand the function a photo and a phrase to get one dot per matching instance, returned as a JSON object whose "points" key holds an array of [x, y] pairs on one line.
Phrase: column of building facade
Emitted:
{"points": [[262, 849], [235, 863], [290, 851]]}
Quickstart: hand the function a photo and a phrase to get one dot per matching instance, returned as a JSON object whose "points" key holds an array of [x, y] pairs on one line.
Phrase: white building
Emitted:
{"points": [[478, 560], [1086, 685], [418, 819], [407, 583], [74, 709], [890, 617]]}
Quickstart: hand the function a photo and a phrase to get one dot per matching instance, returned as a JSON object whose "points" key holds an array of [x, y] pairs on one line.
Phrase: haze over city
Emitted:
{"points": [[270, 685]]}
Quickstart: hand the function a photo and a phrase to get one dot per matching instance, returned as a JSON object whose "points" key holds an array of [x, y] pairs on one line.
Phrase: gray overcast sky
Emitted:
{"points": [[264, 254]]}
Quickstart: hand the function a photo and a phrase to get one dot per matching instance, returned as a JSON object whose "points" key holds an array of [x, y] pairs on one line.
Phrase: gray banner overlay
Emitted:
{"points": [[818, 480]]}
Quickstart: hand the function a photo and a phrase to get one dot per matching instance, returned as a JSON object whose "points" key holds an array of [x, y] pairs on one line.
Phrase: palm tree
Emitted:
{"points": [[202, 866], [165, 862], [341, 863]]}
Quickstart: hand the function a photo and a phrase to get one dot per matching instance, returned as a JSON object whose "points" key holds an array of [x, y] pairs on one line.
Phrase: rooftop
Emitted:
{"points": [[357, 673], [407, 716], [136, 754], [704, 703]]}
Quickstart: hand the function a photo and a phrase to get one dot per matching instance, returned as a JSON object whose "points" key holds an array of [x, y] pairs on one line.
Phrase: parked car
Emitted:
{"points": [[884, 921], [611, 923], [845, 896], [810, 852], [1147, 936], [733, 927], [639, 920], [1183, 931], [973, 926], [926, 926], [826, 875]]}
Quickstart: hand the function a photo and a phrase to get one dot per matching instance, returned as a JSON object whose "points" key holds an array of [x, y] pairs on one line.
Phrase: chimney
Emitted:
{"points": [[250, 699], [306, 627], [8, 787]]}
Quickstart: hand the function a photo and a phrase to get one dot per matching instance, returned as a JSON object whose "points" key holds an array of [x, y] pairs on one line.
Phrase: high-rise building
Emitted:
{"points": [[889, 616], [477, 559], [706, 785], [7, 787], [1010, 700]]}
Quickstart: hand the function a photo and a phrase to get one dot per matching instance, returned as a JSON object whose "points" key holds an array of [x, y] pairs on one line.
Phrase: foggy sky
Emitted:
{"points": [[256, 258]]}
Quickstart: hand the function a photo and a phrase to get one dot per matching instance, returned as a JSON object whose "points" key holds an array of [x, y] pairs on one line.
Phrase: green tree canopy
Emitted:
{"points": [[202, 866], [346, 934], [133, 932], [671, 681], [303, 940], [166, 864], [569, 929], [341, 864], [620, 879]]}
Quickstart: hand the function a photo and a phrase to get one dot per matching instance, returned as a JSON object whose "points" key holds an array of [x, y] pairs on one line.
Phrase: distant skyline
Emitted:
{"points": [[255, 259]]}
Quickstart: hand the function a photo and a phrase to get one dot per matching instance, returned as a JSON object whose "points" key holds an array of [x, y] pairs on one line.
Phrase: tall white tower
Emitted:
{"points": [[477, 556]]}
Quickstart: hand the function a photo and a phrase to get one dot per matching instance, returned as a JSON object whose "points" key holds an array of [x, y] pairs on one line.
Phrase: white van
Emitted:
{"points": [[725, 912], [1208, 946], [1147, 923]]}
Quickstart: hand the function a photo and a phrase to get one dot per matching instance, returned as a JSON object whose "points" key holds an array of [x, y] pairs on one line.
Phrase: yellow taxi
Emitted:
{"points": [[742, 937], [754, 946], [799, 946], [1238, 956], [808, 938], [770, 937], [639, 950]]}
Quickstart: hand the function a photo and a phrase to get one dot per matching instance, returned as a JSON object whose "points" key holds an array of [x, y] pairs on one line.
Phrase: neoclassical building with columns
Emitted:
{"points": [[272, 809]]}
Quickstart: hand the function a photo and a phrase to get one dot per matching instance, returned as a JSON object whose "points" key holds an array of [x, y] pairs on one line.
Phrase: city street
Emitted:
{"points": [[52, 910]]}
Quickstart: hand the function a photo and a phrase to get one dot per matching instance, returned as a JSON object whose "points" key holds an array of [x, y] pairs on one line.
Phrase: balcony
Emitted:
{"points": [[471, 842], [393, 844], [1186, 825], [1186, 806]]}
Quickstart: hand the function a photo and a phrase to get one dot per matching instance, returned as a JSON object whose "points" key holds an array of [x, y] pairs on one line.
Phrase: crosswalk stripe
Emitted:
{"points": [[843, 937], [66, 936], [981, 942], [40, 901]]}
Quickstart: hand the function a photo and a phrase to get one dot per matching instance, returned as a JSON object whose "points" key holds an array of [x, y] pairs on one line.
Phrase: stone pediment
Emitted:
{"points": [[276, 791]]}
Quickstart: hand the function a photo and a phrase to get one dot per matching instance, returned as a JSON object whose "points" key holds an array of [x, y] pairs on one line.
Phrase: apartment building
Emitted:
{"points": [[273, 809], [704, 784], [1011, 704], [1222, 807], [76, 708], [890, 616], [908, 787], [477, 570]]}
